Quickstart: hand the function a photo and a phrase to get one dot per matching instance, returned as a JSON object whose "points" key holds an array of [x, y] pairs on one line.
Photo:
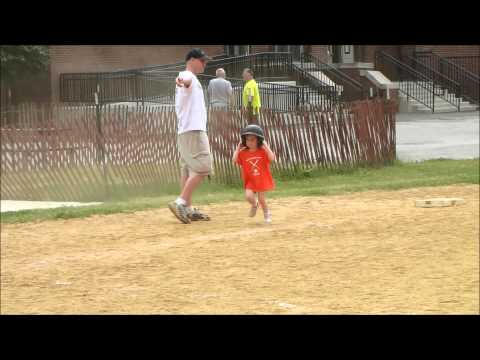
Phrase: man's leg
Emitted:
{"points": [[183, 181], [189, 144], [179, 207], [190, 185]]}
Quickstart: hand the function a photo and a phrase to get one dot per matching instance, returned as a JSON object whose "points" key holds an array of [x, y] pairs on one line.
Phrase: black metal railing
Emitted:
{"points": [[469, 82], [267, 64], [347, 88], [470, 63], [412, 83], [159, 88], [156, 84], [126, 85], [179, 65], [446, 88]]}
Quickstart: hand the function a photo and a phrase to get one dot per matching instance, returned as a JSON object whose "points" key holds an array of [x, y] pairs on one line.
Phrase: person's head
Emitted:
{"points": [[247, 74], [252, 136], [220, 73], [196, 60]]}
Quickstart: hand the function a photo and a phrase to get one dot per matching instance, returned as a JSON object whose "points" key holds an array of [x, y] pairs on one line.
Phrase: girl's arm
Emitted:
{"points": [[239, 148], [270, 154]]}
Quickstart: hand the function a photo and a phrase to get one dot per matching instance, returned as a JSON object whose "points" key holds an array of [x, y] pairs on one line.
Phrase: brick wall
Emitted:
{"points": [[366, 53], [93, 58], [261, 48], [451, 50], [320, 52], [457, 51]]}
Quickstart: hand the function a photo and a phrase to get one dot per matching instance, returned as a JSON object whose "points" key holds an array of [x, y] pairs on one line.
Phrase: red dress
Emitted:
{"points": [[256, 173]]}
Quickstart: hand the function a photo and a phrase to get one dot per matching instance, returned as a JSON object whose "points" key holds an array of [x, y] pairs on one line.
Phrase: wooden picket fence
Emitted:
{"points": [[83, 152]]}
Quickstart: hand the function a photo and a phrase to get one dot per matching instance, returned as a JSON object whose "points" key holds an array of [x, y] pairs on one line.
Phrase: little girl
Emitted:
{"points": [[254, 156]]}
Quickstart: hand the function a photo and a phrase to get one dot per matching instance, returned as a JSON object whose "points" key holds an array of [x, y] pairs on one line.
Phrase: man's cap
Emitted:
{"points": [[196, 54]]}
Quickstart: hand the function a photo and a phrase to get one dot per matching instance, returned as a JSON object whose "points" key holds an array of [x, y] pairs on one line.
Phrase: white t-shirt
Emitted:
{"points": [[190, 105]]}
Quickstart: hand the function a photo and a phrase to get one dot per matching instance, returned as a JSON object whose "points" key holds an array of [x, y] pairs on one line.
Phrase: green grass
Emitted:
{"points": [[312, 182]]}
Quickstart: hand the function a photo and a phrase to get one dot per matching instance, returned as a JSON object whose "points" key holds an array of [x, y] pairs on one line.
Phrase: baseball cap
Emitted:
{"points": [[196, 54]]}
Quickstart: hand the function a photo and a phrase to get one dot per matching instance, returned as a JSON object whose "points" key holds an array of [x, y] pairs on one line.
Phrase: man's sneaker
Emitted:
{"points": [[195, 215], [253, 211], [267, 216], [180, 211]]}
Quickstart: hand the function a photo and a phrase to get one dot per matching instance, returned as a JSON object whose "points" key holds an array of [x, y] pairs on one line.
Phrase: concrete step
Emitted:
{"points": [[440, 105], [322, 78], [438, 99], [441, 109]]}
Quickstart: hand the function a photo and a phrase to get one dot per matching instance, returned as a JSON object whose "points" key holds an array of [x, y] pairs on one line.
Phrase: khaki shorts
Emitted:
{"points": [[195, 157]]}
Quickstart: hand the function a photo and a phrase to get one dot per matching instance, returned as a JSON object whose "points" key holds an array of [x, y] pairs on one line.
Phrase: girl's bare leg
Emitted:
{"points": [[250, 196], [263, 201], [252, 199]]}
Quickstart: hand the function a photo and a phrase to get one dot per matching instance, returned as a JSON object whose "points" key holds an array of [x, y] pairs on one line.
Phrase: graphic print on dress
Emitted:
{"points": [[254, 162]]}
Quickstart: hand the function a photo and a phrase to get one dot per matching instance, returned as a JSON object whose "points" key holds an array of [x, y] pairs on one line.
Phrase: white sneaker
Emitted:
{"points": [[268, 217]]}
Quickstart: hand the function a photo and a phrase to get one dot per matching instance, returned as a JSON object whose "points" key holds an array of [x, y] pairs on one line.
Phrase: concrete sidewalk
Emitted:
{"points": [[433, 136], [16, 205]]}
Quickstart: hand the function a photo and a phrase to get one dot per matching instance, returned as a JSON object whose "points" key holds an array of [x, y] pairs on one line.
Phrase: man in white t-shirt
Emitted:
{"points": [[193, 145]]}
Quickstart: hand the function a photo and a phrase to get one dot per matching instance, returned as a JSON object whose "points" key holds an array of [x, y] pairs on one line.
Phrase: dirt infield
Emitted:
{"points": [[362, 253]]}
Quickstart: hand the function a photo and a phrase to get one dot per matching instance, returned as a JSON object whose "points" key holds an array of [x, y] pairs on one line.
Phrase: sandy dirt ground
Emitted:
{"points": [[362, 253]]}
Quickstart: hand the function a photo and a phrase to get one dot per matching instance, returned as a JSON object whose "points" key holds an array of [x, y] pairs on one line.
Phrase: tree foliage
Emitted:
{"points": [[20, 60]]}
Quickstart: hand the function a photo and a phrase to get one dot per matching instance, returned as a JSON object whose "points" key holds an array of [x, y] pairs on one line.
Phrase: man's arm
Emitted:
{"points": [[183, 80], [250, 96]]}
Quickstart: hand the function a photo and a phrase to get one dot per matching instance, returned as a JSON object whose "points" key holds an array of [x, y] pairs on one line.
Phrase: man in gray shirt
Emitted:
{"points": [[220, 91]]}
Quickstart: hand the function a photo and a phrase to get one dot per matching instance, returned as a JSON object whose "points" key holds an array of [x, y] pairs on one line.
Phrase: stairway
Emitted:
{"points": [[319, 75], [441, 105]]}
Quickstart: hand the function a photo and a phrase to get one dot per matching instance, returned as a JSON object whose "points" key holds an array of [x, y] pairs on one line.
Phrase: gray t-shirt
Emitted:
{"points": [[219, 91]]}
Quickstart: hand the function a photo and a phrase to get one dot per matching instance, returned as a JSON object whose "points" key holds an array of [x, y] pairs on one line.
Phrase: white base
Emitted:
{"points": [[439, 202]]}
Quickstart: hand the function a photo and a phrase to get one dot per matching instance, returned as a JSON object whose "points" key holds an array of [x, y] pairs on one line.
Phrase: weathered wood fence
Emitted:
{"points": [[58, 152]]}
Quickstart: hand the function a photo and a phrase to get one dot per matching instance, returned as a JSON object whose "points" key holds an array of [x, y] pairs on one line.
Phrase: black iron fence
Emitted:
{"points": [[157, 84], [412, 83], [268, 64], [159, 88], [150, 82], [468, 82], [469, 63], [448, 89]]}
